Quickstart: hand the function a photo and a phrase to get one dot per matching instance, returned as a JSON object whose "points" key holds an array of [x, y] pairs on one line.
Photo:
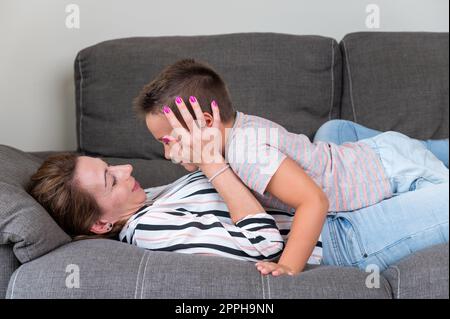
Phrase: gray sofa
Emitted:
{"points": [[387, 81]]}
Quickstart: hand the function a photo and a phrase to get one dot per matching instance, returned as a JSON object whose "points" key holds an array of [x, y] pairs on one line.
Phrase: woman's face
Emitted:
{"points": [[117, 192]]}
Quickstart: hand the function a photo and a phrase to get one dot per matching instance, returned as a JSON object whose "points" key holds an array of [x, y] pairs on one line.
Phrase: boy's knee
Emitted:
{"points": [[329, 130], [332, 124]]}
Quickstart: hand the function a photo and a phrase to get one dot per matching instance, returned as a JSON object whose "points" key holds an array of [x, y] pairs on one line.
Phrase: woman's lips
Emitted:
{"points": [[136, 186]]}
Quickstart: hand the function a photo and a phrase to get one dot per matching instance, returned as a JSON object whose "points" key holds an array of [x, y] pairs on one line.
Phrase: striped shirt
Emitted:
{"points": [[189, 216], [350, 174]]}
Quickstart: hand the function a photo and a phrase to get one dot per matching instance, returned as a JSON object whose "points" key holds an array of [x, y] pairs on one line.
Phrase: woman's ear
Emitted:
{"points": [[101, 227], [208, 118]]}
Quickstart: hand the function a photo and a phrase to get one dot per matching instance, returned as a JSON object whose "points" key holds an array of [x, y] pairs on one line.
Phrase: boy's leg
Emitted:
{"points": [[439, 148], [408, 164], [386, 232], [341, 131]]}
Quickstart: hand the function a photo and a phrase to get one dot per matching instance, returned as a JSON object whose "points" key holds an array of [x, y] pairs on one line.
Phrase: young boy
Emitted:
{"points": [[284, 170]]}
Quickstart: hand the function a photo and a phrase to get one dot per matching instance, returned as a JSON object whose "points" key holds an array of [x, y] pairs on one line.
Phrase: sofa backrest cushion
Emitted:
{"points": [[397, 81], [24, 223], [291, 79]]}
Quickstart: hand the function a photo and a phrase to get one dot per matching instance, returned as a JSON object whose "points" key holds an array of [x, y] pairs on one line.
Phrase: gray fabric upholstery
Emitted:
{"points": [[16, 166], [8, 263], [397, 81], [423, 275], [294, 80], [110, 269], [23, 222]]}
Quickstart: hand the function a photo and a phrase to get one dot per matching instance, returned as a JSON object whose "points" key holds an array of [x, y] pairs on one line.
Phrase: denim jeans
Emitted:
{"points": [[416, 216], [341, 131]]}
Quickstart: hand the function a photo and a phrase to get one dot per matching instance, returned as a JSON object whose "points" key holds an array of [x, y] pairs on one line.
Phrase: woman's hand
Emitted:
{"points": [[199, 144], [267, 267]]}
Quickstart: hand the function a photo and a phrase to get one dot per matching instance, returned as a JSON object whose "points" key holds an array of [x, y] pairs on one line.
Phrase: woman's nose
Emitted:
{"points": [[128, 168], [124, 170]]}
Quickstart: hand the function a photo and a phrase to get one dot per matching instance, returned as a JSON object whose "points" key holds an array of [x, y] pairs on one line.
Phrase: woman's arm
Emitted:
{"points": [[253, 238]]}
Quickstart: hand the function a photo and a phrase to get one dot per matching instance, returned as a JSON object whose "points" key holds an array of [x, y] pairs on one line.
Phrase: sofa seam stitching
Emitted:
{"points": [[350, 83], [332, 79], [137, 277], [14, 284], [262, 283], [143, 275], [398, 283], [80, 101]]}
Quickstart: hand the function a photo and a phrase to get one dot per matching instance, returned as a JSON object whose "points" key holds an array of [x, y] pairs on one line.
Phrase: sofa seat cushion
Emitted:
{"points": [[111, 269], [423, 275]]}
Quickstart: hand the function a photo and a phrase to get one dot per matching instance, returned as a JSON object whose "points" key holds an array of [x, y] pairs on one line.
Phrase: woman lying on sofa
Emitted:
{"points": [[211, 212]]}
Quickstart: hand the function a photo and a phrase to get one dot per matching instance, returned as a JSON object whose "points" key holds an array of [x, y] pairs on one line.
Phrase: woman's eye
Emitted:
{"points": [[114, 181]]}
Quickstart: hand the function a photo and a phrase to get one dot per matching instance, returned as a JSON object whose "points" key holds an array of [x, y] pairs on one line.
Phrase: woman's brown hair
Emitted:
{"points": [[55, 187]]}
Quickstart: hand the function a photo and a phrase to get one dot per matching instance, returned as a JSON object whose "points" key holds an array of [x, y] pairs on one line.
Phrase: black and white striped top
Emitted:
{"points": [[189, 216]]}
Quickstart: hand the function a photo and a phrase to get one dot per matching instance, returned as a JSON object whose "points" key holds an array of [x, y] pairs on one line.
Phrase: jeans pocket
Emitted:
{"points": [[354, 250], [415, 183]]}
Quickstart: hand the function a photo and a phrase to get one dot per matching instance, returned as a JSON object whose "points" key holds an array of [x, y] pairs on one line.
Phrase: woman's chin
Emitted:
{"points": [[140, 193], [189, 167]]}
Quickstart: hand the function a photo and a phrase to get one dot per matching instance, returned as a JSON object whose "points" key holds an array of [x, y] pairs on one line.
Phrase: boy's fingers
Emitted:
{"points": [[168, 139], [197, 111], [187, 117], [267, 267], [172, 118], [216, 114]]}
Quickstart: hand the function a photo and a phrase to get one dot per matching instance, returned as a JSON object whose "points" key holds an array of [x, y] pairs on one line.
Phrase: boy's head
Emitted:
{"points": [[184, 78]]}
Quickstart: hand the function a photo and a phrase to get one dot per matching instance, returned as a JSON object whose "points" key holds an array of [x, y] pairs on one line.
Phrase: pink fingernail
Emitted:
{"points": [[214, 103], [192, 99], [166, 109], [178, 100]]}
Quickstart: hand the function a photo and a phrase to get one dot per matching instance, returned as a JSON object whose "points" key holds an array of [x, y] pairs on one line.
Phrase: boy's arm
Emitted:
{"points": [[295, 188], [238, 198]]}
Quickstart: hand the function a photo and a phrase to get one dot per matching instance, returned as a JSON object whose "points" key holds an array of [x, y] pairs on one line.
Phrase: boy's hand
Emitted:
{"points": [[267, 267], [195, 144]]}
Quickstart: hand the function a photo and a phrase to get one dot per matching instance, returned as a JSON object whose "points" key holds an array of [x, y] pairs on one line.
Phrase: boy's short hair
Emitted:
{"points": [[185, 78]]}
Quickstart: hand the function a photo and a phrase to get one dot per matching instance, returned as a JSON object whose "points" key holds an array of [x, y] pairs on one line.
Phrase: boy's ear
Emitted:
{"points": [[208, 118]]}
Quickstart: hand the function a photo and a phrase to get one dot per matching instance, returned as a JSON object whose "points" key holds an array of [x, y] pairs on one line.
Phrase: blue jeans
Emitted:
{"points": [[341, 131], [415, 218]]}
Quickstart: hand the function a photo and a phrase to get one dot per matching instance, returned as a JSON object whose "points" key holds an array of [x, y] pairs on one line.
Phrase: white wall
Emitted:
{"points": [[37, 109]]}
